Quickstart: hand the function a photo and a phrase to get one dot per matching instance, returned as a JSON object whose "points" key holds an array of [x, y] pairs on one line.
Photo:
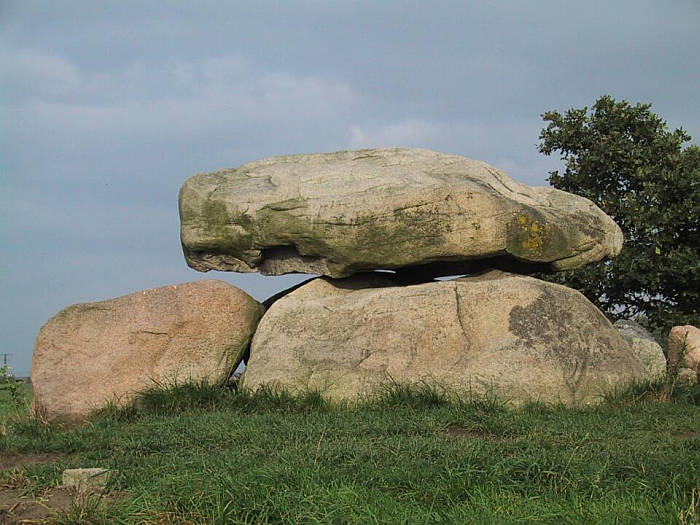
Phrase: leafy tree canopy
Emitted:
{"points": [[624, 159]]}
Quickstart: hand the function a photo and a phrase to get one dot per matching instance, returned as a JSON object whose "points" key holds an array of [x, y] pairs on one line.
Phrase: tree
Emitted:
{"points": [[624, 159]]}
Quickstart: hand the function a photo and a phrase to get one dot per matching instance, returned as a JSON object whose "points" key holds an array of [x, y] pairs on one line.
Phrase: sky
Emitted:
{"points": [[107, 107]]}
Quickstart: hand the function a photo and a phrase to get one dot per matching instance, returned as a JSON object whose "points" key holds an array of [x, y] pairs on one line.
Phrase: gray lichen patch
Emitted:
{"points": [[545, 320], [573, 333]]}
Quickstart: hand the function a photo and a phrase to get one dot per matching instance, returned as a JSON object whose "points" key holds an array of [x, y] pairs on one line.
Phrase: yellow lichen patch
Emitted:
{"points": [[532, 234]]}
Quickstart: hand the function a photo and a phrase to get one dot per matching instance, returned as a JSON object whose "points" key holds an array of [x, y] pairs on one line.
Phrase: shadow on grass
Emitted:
{"points": [[165, 400], [411, 395], [666, 390]]}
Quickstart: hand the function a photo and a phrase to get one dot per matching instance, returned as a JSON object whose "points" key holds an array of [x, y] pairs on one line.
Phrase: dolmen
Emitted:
{"points": [[383, 230], [379, 225]]}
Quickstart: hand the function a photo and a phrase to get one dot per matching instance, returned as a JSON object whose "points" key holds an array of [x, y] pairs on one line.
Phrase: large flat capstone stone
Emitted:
{"points": [[515, 337], [340, 213]]}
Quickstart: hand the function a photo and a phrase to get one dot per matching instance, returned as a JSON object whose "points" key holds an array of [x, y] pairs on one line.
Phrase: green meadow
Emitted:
{"points": [[205, 454]]}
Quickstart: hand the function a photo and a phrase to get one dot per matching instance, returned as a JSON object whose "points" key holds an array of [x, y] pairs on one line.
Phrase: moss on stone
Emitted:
{"points": [[227, 232], [215, 215]]}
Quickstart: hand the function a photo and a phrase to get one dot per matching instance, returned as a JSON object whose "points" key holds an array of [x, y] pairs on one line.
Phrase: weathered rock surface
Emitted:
{"points": [[513, 336], [684, 352], [341, 213], [93, 353], [647, 350]]}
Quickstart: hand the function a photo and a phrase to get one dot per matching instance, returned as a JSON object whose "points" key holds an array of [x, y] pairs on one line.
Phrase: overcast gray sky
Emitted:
{"points": [[107, 107]]}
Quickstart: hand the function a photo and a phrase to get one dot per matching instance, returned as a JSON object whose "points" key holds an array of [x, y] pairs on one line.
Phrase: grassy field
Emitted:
{"points": [[12, 405], [201, 454]]}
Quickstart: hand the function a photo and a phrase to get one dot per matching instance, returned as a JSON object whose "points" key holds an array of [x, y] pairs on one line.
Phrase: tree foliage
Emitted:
{"points": [[623, 158]]}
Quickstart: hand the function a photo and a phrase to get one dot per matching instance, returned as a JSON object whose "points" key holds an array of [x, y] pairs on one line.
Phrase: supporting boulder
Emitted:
{"points": [[337, 214], [512, 336], [647, 350], [684, 353], [92, 354]]}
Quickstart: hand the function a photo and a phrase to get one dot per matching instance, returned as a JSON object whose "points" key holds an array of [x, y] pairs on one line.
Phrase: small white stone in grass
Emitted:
{"points": [[87, 479]]}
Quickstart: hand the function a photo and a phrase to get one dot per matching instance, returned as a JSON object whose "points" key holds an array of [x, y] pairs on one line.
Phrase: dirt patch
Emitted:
{"points": [[19, 505], [9, 496], [19, 461], [15, 507], [688, 434]]}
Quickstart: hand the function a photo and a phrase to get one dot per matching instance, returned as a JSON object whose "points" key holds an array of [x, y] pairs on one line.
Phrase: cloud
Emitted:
{"points": [[406, 133], [59, 106], [31, 74], [496, 141]]}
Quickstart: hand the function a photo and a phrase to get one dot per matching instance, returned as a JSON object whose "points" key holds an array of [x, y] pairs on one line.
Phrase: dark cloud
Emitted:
{"points": [[107, 107]]}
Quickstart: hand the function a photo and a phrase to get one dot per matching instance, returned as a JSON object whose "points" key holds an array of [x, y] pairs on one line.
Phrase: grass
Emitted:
{"points": [[205, 454], [14, 404]]}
